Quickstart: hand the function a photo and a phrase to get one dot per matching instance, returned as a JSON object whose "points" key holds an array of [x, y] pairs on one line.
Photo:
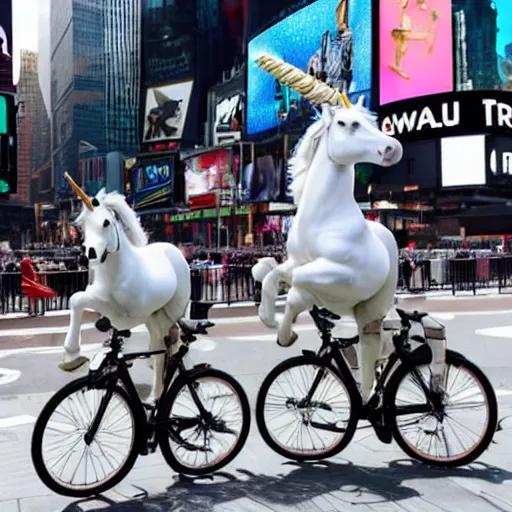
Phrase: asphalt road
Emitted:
{"points": [[366, 476]]}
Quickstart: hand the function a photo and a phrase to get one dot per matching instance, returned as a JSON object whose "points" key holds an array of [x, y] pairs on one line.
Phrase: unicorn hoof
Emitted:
{"points": [[72, 361], [292, 340]]}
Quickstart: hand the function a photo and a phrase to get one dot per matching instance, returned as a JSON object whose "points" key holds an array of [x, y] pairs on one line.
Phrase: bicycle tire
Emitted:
{"points": [[166, 407], [458, 361], [286, 365], [37, 444]]}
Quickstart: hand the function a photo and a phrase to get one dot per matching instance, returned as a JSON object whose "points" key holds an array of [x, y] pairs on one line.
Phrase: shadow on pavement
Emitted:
{"points": [[345, 483]]}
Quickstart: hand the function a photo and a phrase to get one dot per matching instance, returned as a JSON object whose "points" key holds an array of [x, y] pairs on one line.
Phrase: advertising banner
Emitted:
{"points": [[6, 46], [416, 57], [153, 184], [329, 39], [208, 173], [448, 115], [166, 111], [483, 44]]}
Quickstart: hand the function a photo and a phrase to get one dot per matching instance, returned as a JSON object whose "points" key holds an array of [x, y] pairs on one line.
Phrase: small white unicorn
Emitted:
{"points": [[131, 282]]}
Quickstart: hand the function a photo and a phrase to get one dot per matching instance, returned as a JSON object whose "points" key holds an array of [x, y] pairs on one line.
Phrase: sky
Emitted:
{"points": [[25, 30]]}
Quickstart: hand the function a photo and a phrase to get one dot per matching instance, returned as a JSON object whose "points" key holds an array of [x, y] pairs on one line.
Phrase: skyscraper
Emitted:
{"points": [[95, 81]]}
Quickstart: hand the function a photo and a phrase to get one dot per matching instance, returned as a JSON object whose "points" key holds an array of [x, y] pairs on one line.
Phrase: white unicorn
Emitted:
{"points": [[131, 282], [336, 258]]}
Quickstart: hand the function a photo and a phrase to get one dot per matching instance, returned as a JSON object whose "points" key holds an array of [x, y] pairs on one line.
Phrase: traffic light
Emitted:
{"points": [[8, 145]]}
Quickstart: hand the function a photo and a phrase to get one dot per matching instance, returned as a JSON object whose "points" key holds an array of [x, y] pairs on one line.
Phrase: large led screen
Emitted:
{"points": [[166, 111], [330, 39], [153, 184], [207, 173], [5, 45], [483, 44], [463, 161], [416, 50]]}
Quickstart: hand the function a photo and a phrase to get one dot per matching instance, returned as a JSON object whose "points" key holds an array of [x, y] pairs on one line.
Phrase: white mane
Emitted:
{"points": [[303, 156], [305, 150], [117, 203]]}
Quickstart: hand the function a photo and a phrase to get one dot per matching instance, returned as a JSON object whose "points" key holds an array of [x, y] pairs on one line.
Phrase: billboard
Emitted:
{"points": [[168, 42], [6, 45], [463, 161], [483, 44], [330, 39], [207, 173], [416, 50], [153, 184], [166, 111], [448, 115]]}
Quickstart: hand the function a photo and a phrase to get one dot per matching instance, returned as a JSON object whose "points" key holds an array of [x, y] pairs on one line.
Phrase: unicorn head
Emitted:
{"points": [[106, 221], [353, 136]]}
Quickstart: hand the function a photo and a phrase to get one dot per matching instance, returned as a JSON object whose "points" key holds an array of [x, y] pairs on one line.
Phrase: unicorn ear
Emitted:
{"points": [[360, 101], [327, 113]]}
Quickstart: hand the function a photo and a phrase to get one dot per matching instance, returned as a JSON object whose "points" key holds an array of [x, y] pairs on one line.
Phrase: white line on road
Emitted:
{"points": [[16, 421], [8, 376], [503, 392], [504, 331]]}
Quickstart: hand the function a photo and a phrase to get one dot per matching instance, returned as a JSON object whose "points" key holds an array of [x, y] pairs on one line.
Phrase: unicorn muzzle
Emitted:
{"points": [[391, 153]]}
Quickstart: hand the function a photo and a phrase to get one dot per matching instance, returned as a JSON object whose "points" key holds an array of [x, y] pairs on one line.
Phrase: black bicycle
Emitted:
{"points": [[89, 435], [309, 406]]}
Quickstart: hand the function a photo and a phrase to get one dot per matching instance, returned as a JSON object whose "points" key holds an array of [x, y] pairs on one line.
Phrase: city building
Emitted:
{"points": [[94, 82]]}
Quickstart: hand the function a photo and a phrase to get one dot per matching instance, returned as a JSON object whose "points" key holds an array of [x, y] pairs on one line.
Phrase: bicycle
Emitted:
{"points": [[107, 398], [322, 408]]}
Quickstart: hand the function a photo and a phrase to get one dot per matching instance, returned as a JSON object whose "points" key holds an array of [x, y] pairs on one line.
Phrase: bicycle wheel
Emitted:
{"points": [[301, 429], [195, 443], [421, 428], [77, 469]]}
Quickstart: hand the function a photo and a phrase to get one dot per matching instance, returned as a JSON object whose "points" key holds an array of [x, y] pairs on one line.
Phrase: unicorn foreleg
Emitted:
{"points": [[298, 300], [72, 357], [270, 290]]}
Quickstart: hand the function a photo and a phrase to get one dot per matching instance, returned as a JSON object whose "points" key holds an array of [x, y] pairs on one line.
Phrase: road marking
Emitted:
{"points": [[37, 331], [16, 421], [8, 376], [503, 392], [45, 350], [504, 331]]}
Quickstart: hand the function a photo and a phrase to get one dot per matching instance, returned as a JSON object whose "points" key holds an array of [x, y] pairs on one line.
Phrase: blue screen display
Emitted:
{"points": [[153, 184], [310, 39]]}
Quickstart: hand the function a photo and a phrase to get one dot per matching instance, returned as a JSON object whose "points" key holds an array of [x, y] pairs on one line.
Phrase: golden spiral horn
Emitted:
{"points": [[79, 192], [308, 86]]}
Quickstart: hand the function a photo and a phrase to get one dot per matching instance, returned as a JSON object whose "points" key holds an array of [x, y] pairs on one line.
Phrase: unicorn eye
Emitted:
{"points": [[356, 125], [106, 223], [342, 123]]}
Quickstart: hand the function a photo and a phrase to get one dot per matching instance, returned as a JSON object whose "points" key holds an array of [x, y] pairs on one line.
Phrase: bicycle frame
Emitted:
{"points": [[330, 350], [115, 368]]}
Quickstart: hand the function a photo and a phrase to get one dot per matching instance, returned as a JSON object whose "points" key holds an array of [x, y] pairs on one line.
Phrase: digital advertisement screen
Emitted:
{"points": [[207, 173], [416, 49], [6, 45], [483, 44], [168, 42], [499, 154], [330, 39], [463, 161], [153, 184], [166, 111], [262, 180]]}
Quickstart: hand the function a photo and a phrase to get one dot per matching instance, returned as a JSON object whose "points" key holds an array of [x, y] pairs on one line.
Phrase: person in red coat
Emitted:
{"points": [[30, 287]]}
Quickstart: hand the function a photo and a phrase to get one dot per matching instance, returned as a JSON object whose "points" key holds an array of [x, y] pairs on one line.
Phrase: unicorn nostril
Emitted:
{"points": [[92, 254], [389, 150]]}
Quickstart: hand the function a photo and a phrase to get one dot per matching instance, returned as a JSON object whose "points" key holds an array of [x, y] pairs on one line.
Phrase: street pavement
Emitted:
{"points": [[367, 476]]}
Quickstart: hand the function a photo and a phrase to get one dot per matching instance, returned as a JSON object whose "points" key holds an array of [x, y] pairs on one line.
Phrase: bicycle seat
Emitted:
{"points": [[191, 327], [415, 316], [103, 324]]}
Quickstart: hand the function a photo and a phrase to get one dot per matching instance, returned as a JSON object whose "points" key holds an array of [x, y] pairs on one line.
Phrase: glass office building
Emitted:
{"points": [[95, 81]]}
